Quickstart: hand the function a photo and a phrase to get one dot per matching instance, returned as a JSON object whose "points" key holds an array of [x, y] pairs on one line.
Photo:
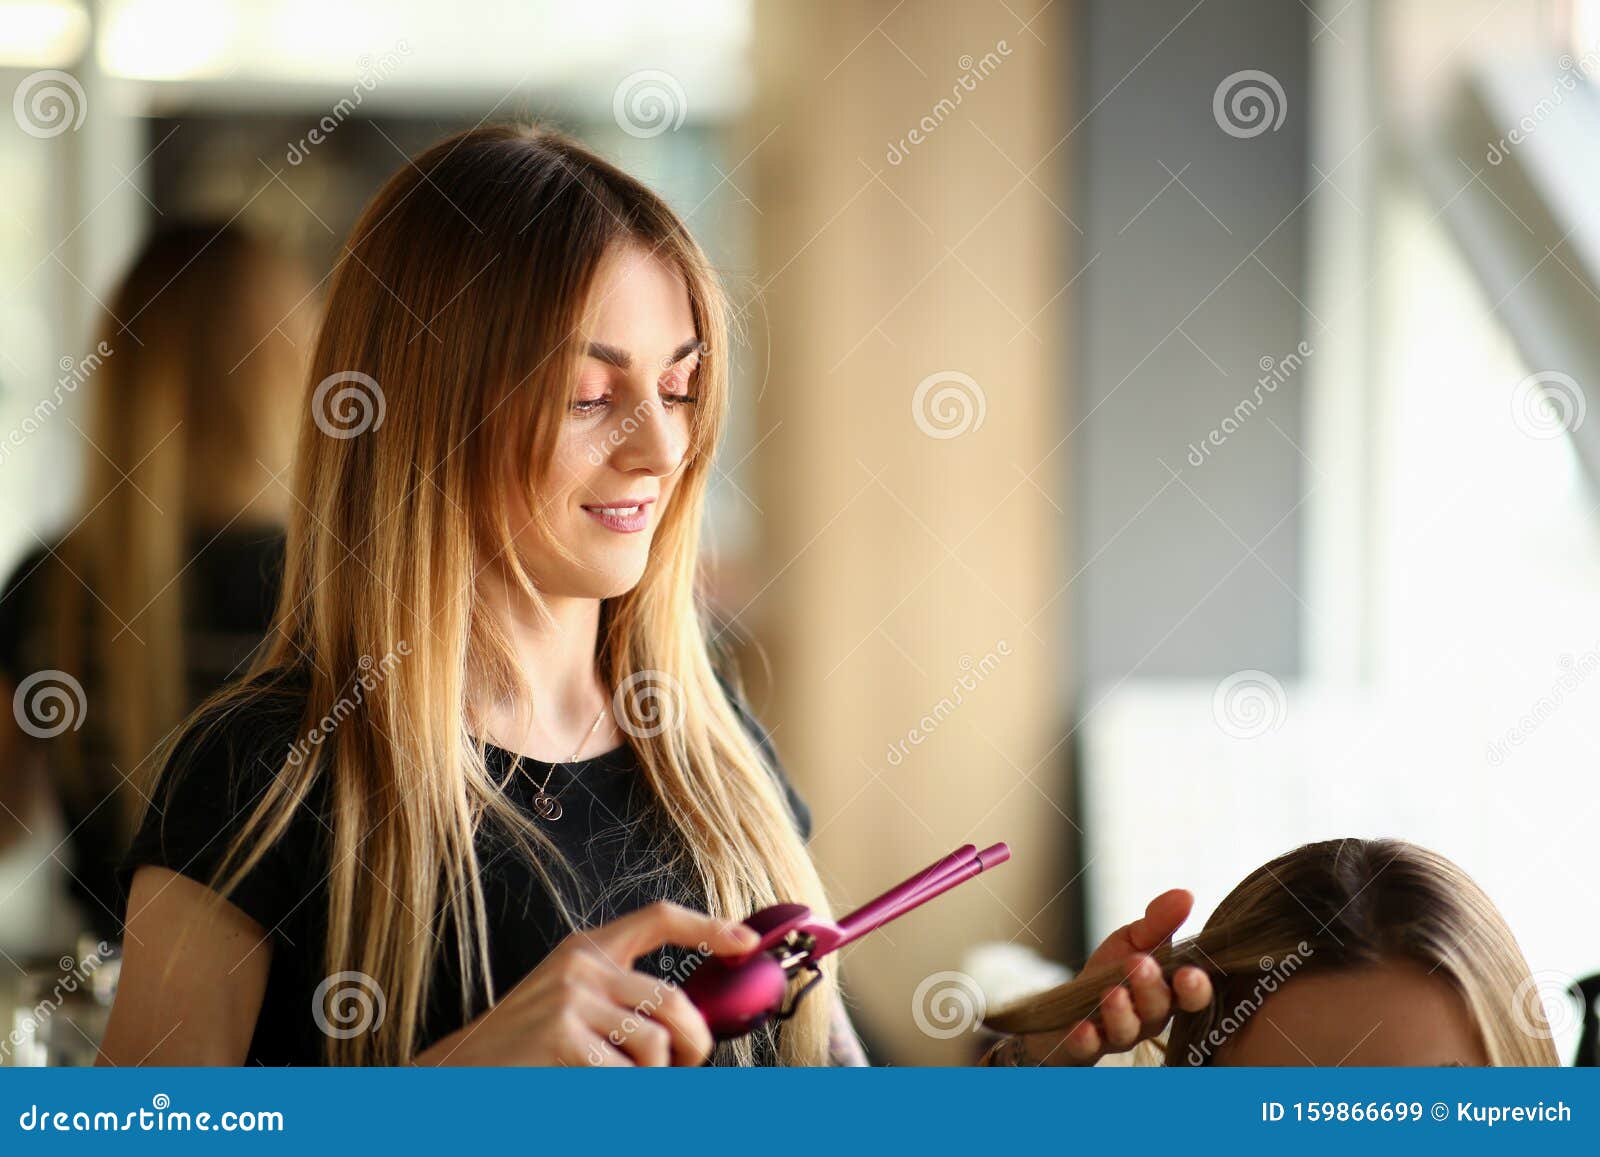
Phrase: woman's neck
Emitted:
{"points": [[556, 658]]}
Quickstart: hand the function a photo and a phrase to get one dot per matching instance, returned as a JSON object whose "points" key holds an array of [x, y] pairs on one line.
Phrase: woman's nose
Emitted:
{"points": [[651, 439]]}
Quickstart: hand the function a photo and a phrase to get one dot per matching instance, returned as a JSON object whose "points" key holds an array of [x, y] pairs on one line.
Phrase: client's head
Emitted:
{"points": [[1354, 952]]}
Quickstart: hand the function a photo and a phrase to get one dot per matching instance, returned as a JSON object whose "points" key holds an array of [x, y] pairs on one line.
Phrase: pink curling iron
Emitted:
{"points": [[737, 994]]}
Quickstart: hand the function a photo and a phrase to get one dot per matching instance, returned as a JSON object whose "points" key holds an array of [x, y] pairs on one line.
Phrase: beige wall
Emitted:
{"points": [[890, 557]]}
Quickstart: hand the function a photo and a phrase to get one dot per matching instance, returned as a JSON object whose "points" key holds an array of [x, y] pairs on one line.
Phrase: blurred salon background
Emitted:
{"points": [[1160, 434]]}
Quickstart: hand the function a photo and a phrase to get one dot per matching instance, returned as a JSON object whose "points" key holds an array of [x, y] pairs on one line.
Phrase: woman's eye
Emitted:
{"points": [[675, 386], [674, 393]]}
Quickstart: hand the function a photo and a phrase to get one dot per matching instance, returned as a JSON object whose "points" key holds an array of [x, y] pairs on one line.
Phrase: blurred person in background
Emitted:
{"points": [[164, 585], [1358, 952]]}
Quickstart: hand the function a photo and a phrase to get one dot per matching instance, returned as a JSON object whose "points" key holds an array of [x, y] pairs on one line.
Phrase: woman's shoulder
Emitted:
{"points": [[218, 775], [248, 728]]}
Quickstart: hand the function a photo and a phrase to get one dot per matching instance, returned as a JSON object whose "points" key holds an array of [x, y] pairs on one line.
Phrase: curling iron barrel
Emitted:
{"points": [[737, 994]]}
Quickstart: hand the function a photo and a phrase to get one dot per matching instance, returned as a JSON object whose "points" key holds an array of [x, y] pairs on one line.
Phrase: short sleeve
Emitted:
{"points": [[763, 740], [213, 783]]}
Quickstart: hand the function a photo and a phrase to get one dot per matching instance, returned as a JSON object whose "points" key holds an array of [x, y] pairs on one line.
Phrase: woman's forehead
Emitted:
{"points": [[639, 293]]}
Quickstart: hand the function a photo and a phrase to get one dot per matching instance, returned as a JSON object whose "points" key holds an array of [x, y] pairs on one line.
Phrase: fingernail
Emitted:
{"points": [[747, 935]]}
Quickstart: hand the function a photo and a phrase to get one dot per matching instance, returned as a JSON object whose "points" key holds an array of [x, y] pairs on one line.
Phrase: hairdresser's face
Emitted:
{"points": [[1383, 1015], [624, 441]]}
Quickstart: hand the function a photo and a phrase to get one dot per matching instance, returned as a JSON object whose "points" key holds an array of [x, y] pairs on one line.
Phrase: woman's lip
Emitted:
{"points": [[621, 523], [617, 505]]}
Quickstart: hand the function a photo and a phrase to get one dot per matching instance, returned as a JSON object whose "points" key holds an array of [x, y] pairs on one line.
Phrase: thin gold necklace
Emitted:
{"points": [[548, 806]]}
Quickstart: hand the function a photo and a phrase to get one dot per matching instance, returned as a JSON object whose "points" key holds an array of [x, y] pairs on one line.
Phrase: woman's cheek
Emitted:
{"points": [[584, 446]]}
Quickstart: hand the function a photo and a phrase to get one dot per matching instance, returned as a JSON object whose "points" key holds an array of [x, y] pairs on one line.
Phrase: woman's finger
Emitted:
{"points": [[665, 1003], [645, 1041], [1081, 1046], [1162, 917], [1192, 988], [626, 939], [1152, 999], [1118, 1022], [597, 1052]]}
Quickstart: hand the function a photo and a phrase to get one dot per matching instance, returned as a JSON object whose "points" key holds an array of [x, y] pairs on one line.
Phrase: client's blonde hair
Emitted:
{"points": [[1329, 906]]}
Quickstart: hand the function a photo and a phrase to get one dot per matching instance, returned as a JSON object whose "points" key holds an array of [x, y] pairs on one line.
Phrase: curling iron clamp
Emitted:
{"points": [[737, 994]]}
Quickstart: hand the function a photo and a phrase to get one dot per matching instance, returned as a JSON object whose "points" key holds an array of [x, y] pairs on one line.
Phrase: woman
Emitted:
{"points": [[1353, 952], [165, 584], [491, 763]]}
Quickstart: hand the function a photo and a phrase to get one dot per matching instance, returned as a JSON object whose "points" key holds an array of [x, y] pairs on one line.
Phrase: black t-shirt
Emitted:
{"points": [[612, 832]]}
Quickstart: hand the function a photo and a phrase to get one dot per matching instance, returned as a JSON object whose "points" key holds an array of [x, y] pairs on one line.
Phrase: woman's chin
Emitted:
{"points": [[613, 577]]}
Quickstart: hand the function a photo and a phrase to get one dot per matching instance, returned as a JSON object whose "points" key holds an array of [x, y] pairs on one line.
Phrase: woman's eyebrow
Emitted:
{"points": [[610, 354], [693, 345], [623, 360]]}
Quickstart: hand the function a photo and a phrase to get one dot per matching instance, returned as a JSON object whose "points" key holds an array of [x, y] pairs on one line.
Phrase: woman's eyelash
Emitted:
{"points": [[675, 386], [594, 405]]}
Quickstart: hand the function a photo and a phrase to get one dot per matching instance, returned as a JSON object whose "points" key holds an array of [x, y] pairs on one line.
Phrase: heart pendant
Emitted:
{"points": [[547, 806]]}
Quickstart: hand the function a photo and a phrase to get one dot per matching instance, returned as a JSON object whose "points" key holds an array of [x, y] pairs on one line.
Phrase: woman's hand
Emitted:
{"points": [[1134, 1010], [586, 1005]]}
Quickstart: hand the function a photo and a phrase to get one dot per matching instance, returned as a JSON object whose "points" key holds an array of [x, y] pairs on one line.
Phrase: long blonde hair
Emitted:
{"points": [[192, 405], [1328, 906], [446, 364]]}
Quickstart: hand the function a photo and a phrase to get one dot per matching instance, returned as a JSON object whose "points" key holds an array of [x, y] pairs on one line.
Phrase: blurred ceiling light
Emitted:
{"points": [[42, 33], [168, 39], [496, 45]]}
